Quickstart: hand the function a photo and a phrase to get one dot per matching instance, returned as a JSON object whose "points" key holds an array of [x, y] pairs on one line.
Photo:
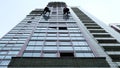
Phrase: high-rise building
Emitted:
{"points": [[76, 40]]}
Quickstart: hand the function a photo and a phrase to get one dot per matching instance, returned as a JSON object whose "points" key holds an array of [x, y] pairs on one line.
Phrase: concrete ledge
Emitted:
{"points": [[58, 62]]}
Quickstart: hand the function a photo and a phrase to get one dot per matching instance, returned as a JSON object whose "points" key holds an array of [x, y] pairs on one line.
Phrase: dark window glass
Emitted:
{"points": [[54, 12], [66, 55], [29, 21], [62, 28], [32, 18], [53, 27]]}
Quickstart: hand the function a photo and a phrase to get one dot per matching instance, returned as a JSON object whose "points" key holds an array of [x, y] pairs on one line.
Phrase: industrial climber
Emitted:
{"points": [[66, 10], [46, 9]]}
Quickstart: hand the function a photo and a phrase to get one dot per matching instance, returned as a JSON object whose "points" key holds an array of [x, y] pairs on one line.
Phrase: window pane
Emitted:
{"points": [[8, 57], [5, 62], [27, 54], [65, 48], [79, 43], [2, 45], [37, 48], [65, 43], [82, 48], [36, 54], [31, 43], [49, 54], [30, 48], [84, 55], [63, 34], [64, 38], [50, 48], [51, 43], [1, 57], [51, 35], [13, 52], [3, 53], [39, 42], [51, 38]]}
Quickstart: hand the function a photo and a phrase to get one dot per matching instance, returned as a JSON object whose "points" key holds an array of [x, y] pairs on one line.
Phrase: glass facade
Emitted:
{"points": [[44, 36], [56, 34]]}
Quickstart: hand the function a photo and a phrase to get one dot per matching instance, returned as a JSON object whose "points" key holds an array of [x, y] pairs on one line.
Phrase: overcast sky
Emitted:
{"points": [[14, 11]]}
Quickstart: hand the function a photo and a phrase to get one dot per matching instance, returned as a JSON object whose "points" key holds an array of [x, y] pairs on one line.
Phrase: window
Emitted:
{"points": [[27, 54], [54, 12], [73, 28], [38, 48], [5, 62], [18, 45], [35, 34], [32, 43], [51, 43], [42, 34], [3, 52], [2, 45], [3, 41], [53, 17], [49, 54], [64, 38], [84, 55], [62, 28], [6, 48], [16, 48], [65, 42], [20, 41], [77, 38], [8, 57], [52, 28], [52, 23], [1, 57], [39, 43], [66, 55], [52, 34], [82, 48], [79, 43], [29, 22], [66, 48], [33, 18], [33, 38], [63, 35], [52, 31], [50, 48], [13, 52], [36, 54], [30, 48], [41, 38], [51, 38]]}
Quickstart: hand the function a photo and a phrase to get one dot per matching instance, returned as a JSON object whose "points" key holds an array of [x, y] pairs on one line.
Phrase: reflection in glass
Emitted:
{"points": [[46, 17]]}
